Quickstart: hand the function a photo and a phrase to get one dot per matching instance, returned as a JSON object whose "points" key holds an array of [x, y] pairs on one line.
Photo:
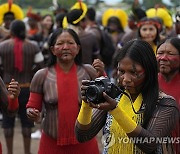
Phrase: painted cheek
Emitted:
{"points": [[140, 79], [174, 61], [58, 49], [165, 58]]}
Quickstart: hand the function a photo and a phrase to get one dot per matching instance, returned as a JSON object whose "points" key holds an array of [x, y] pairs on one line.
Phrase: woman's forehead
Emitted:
{"points": [[127, 61]]}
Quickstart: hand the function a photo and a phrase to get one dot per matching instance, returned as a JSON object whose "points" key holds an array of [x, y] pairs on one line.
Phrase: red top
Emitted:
{"points": [[171, 87], [0, 148]]}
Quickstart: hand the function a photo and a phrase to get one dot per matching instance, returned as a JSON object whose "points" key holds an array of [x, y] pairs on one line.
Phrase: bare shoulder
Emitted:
{"points": [[41, 72], [39, 76]]}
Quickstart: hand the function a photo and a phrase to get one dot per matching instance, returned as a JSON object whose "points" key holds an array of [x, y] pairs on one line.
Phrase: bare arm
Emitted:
{"points": [[34, 104], [9, 98], [87, 132], [3, 96]]}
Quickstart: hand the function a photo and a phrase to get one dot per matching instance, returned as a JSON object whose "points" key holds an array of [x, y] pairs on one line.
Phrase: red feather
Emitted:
{"points": [[80, 4], [10, 2]]}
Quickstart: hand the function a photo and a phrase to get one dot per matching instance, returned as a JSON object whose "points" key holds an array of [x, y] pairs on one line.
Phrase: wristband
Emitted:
{"points": [[13, 104], [85, 114], [127, 124]]}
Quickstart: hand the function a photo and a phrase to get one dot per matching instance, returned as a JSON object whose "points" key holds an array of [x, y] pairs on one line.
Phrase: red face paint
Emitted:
{"points": [[65, 47], [168, 58], [171, 61], [130, 75]]}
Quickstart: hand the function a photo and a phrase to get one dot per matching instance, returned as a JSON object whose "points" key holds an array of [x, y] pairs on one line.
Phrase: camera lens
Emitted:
{"points": [[94, 94]]}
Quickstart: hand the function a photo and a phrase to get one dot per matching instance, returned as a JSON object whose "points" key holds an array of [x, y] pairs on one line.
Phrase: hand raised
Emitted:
{"points": [[13, 89]]}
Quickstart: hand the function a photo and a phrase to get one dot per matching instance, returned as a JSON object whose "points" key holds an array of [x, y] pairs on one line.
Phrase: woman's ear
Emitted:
{"points": [[52, 50], [78, 48]]}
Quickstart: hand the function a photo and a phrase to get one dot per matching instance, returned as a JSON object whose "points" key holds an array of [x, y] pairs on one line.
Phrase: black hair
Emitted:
{"points": [[18, 29], [177, 16], [9, 14], [49, 15], [74, 15], [139, 13], [157, 39], [174, 41], [52, 41], [115, 20], [91, 14], [141, 52], [59, 19]]}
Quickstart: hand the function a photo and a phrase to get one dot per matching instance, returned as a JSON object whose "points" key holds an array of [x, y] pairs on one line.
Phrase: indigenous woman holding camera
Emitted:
{"points": [[57, 87], [141, 112]]}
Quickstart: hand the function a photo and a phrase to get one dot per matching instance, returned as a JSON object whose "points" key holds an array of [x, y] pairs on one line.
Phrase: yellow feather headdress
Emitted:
{"points": [[119, 13], [162, 13], [15, 9], [77, 5]]}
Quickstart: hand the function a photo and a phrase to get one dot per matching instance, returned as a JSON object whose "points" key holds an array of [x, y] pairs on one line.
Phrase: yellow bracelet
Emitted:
{"points": [[127, 124], [85, 114]]}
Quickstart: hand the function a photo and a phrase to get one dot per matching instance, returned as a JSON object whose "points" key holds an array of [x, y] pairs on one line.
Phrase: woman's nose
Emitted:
{"points": [[127, 78], [147, 31], [65, 45]]}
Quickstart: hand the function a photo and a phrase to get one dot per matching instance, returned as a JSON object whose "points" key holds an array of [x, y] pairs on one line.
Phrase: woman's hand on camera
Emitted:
{"points": [[108, 105], [84, 86]]}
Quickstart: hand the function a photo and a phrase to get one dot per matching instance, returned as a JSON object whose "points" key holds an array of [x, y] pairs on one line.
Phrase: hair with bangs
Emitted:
{"points": [[154, 20]]}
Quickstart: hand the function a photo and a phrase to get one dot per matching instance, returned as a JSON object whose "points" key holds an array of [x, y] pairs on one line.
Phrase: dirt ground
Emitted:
{"points": [[18, 141]]}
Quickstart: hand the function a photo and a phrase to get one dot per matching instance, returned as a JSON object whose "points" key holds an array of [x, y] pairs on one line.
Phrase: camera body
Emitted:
{"points": [[94, 92]]}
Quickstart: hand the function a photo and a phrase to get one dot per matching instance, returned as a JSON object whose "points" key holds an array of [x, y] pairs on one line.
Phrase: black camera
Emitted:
{"points": [[94, 92]]}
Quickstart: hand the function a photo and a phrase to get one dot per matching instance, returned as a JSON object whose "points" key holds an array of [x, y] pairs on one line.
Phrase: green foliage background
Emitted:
{"points": [[67, 3]]}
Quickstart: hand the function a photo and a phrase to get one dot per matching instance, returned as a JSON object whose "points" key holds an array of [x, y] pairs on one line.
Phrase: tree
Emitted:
{"points": [[151, 3]]}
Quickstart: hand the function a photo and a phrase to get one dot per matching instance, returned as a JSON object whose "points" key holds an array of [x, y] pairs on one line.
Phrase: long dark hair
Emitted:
{"points": [[116, 21], [141, 52], [52, 41], [48, 15]]}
